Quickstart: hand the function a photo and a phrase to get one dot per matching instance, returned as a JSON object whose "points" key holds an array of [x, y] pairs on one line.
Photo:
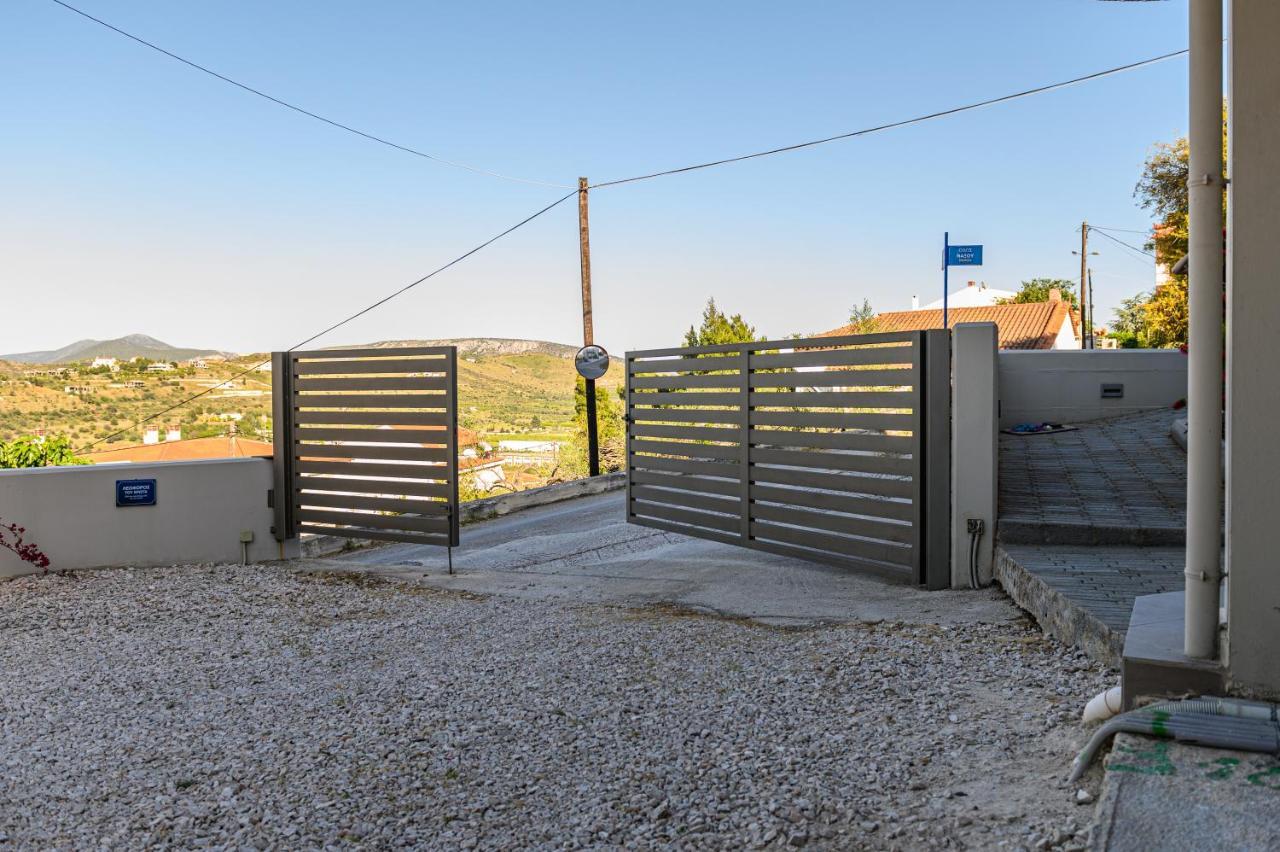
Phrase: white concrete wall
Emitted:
{"points": [[201, 509], [975, 388], [1066, 386], [1253, 318]]}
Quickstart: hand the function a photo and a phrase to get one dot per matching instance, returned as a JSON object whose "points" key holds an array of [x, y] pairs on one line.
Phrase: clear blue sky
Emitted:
{"points": [[142, 196]]}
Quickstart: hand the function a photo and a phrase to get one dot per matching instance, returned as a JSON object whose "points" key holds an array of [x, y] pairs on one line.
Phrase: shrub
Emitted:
{"points": [[28, 452], [11, 539]]}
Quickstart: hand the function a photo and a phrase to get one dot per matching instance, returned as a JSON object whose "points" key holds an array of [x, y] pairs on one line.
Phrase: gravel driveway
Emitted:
{"points": [[255, 707]]}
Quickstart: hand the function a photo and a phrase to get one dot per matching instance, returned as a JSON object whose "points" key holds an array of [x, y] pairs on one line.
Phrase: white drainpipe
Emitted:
{"points": [[1204, 369]]}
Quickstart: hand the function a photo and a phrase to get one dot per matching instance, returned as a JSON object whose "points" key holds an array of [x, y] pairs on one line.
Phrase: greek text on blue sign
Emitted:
{"points": [[964, 255], [135, 492]]}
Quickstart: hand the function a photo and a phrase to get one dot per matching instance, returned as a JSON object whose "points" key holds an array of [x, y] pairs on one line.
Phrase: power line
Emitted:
{"points": [[1120, 230], [329, 121], [1103, 233], [903, 123], [336, 325]]}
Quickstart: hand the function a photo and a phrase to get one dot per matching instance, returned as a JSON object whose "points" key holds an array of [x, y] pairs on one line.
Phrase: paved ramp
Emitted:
{"points": [[583, 550]]}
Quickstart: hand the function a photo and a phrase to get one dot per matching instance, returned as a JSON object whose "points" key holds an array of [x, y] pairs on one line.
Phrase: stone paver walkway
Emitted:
{"points": [[1089, 521], [1116, 481]]}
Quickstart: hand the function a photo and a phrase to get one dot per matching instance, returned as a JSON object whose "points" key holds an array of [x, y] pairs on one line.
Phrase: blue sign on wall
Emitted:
{"points": [[135, 492], [964, 255]]}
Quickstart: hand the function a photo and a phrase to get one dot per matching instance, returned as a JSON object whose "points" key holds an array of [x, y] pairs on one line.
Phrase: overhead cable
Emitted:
{"points": [[336, 325], [280, 102]]}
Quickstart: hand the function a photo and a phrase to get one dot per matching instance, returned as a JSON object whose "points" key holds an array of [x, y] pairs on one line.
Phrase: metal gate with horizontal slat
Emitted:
{"points": [[830, 449], [366, 444]]}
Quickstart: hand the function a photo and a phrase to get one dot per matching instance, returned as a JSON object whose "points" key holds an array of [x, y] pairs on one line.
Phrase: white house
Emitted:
{"points": [[973, 295]]}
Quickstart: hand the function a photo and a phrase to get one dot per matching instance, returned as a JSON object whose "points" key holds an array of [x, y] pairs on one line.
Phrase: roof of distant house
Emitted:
{"points": [[191, 449], [1027, 325], [973, 295]]}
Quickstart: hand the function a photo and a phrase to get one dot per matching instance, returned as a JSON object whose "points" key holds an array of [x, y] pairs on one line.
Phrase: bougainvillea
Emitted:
{"points": [[11, 539]]}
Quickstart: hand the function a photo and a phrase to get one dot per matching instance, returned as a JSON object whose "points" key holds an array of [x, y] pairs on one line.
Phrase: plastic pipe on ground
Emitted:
{"points": [[1104, 705]]}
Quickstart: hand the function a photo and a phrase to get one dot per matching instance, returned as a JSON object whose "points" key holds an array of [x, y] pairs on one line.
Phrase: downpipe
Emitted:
{"points": [[1203, 567]]}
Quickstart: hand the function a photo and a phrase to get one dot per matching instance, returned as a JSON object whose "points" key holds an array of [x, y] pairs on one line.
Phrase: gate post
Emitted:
{"points": [[935, 446], [282, 441]]}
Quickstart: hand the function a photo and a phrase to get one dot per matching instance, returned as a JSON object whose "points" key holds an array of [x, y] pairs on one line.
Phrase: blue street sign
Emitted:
{"points": [[964, 255], [135, 492]]}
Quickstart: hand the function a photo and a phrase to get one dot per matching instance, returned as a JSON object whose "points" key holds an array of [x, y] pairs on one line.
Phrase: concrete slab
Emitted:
{"points": [[1159, 794], [583, 550]]}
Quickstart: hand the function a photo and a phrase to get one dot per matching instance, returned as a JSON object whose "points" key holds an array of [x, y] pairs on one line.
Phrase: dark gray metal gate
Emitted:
{"points": [[366, 444], [834, 449]]}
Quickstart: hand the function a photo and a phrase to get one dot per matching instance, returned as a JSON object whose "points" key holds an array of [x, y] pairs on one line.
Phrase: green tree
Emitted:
{"points": [[1162, 189], [863, 320], [29, 452], [1131, 317], [1037, 290], [718, 328], [1166, 314], [1159, 319], [611, 431]]}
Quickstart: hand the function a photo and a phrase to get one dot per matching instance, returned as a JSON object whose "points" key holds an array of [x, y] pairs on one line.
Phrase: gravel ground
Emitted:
{"points": [[208, 706]]}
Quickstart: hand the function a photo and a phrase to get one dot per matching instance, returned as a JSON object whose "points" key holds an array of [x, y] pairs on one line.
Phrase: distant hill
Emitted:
{"points": [[475, 346], [129, 346]]}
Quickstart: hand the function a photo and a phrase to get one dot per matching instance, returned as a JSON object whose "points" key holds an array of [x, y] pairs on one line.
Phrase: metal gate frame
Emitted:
{"points": [[366, 444], [864, 483]]}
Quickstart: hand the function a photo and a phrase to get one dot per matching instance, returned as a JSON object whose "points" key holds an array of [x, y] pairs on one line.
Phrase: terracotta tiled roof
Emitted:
{"points": [[224, 447], [1029, 325]]}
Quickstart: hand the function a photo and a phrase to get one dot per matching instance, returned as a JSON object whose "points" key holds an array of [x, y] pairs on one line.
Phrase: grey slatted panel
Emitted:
{"points": [[374, 435], [433, 383], [835, 440], [827, 445], [428, 417], [834, 399], [871, 528], [371, 487], [378, 522], [856, 462], [853, 504], [372, 400], [393, 453], [387, 504], [877, 551], [834, 378], [689, 449], [682, 515], [441, 539], [380, 365], [354, 466], [683, 482]]}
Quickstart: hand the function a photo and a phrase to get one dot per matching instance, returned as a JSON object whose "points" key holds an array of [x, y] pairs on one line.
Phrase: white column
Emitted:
{"points": [[1204, 370], [1253, 335], [974, 447]]}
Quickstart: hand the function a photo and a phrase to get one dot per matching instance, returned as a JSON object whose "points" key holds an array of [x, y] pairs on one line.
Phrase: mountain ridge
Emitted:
{"points": [[482, 346], [129, 346]]}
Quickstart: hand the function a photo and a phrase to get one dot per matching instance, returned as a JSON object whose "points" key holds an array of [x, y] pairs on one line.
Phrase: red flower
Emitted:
{"points": [[26, 551]]}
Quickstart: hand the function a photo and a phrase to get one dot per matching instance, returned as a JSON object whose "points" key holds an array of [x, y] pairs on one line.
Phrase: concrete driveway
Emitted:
{"points": [[583, 550]]}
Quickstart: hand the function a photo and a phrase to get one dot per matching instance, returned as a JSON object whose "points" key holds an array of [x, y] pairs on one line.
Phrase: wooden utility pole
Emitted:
{"points": [[588, 330], [1089, 335], [1084, 277]]}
